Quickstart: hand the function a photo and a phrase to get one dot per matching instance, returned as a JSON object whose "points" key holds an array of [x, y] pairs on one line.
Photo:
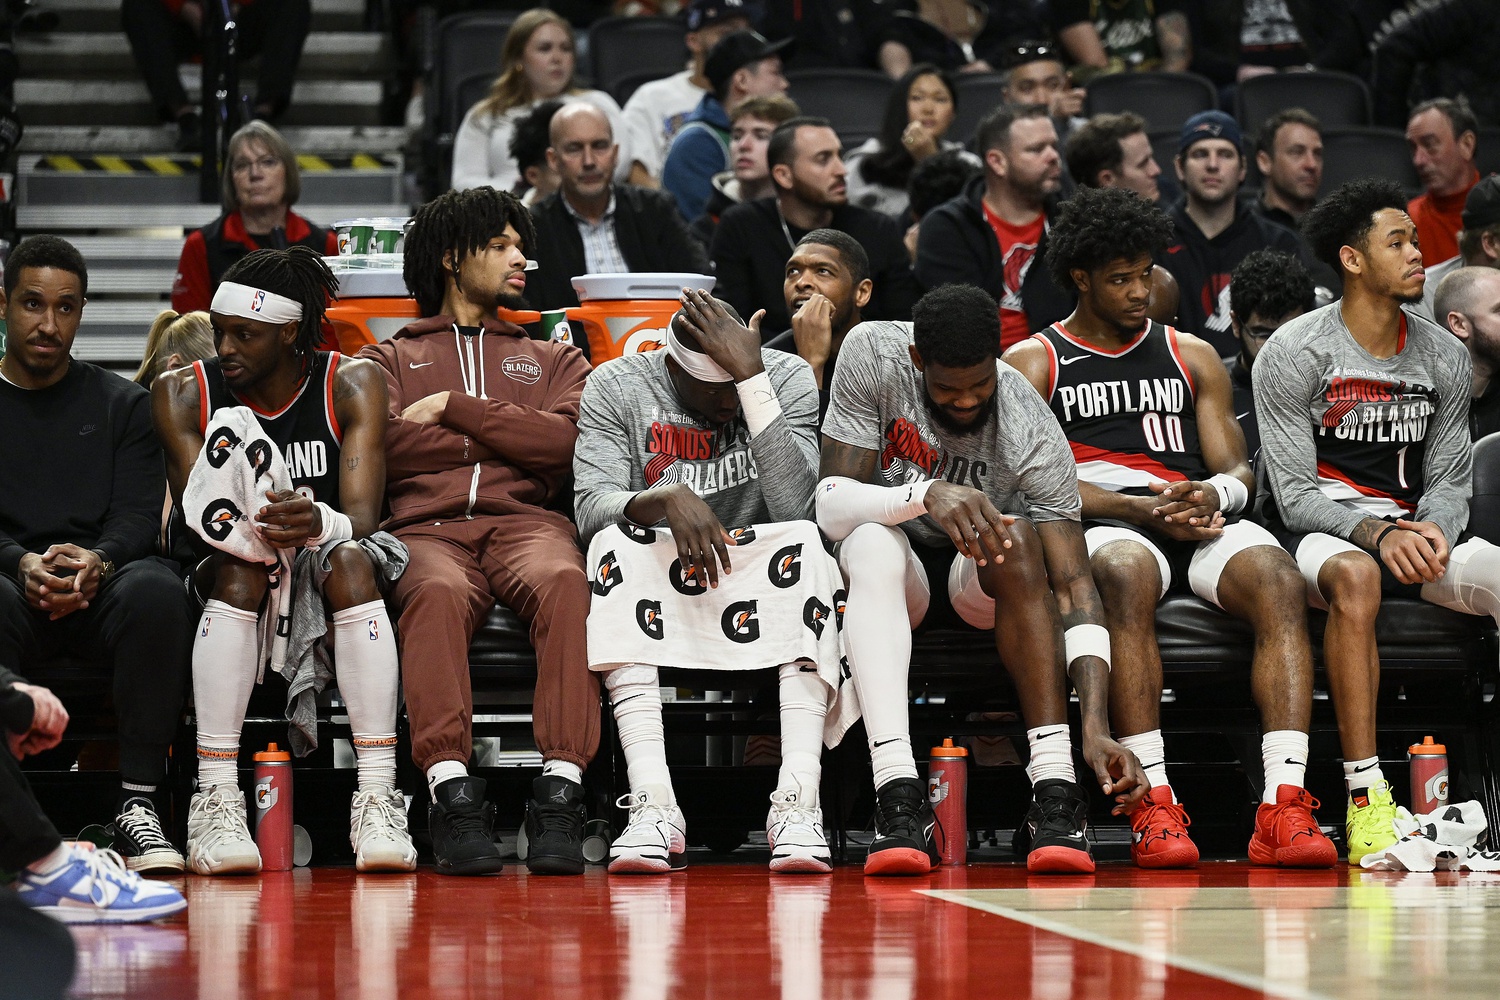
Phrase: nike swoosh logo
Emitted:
{"points": [[1367, 767], [1069, 361], [424, 364], [881, 743], [1047, 736], [87, 429], [1298, 763], [1242, 416]]}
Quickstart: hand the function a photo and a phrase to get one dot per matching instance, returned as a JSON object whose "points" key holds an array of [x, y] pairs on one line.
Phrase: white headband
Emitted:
{"points": [[697, 364], [248, 302]]}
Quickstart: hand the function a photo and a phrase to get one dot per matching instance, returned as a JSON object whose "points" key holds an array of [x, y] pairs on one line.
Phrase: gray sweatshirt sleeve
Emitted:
{"points": [[601, 459], [786, 452], [1448, 471]]}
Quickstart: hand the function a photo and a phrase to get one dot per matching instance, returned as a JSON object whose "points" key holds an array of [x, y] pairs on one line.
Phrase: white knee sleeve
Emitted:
{"points": [[226, 658], [1210, 558], [1472, 582], [364, 658], [969, 600], [804, 706], [635, 697]]}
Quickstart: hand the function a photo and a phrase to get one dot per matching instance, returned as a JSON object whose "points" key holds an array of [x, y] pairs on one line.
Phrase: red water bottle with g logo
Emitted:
{"points": [[1429, 775], [948, 791], [273, 808]]}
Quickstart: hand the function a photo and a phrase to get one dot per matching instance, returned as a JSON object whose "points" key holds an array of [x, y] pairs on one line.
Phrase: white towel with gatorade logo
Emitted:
{"points": [[1448, 838], [782, 603]]}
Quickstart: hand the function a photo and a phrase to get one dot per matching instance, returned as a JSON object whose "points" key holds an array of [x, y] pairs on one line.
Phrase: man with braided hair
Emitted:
{"points": [[482, 425], [327, 415]]}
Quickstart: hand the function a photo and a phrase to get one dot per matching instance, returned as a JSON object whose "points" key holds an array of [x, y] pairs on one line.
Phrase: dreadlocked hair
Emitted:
{"points": [[457, 223], [299, 273]]}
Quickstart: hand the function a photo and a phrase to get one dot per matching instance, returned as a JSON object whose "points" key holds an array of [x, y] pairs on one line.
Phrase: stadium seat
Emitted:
{"points": [[466, 46], [1165, 100], [1349, 153], [1338, 100], [853, 100], [628, 84], [1487, 151], [978, 95], [621, 47]]}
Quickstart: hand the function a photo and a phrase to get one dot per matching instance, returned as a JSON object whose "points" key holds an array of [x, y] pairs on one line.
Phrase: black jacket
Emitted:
{"points": [[957, 246], [750, 251], [1329, 30], [650, 230], [1457, 41]]}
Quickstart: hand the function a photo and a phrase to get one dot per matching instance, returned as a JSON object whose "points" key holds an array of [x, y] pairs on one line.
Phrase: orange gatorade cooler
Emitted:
{"points": [[628, 313]]}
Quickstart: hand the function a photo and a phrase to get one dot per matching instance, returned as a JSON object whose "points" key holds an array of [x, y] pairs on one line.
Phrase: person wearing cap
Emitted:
{"points": [[659, 108], [1035, 74], [1478, 242], [1468, 304], [1442, 134], [741, 65], [715, 440], [591, 225], [1213, 231]]}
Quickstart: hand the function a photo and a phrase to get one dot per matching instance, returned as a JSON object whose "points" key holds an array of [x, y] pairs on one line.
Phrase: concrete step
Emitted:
{"points": [[147, 140], [69, 180], [159, 220], [113, 331], [120, 252], [96, 54], [130, 280], [104, 15], [124, 102]]}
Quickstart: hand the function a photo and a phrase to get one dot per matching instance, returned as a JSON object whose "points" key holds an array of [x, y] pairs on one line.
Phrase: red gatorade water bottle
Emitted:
{"points": [[948, 791], [1429, 775], [273, 808]]}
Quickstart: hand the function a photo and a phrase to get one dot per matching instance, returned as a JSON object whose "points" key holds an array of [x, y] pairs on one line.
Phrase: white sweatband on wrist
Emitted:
{"points": [[695, 363], [842, 504], [1232, 493], [249, 302], [336, 527], [1086, 640], [759, 402]]}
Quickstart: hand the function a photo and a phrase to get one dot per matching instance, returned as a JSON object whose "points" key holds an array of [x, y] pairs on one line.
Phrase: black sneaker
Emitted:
{"points": [[903, 842], [462, 825], [137, 836], [554, 827], [1054, 835]]}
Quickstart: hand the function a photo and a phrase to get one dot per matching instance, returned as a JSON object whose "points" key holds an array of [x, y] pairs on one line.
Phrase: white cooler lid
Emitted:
{"points": [[371, 276], [639, 285]]}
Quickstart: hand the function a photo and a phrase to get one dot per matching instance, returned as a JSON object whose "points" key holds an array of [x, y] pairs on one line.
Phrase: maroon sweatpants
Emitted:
{"points": [[531, 564]]}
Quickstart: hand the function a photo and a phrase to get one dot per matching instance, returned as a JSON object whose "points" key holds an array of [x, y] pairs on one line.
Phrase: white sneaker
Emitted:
{"points": [[655, 839], [95, 887], [377, 832], [795, 833], [219, 841]]}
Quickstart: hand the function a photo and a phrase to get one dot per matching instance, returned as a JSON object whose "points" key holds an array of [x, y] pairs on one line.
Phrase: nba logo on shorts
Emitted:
{"points": [[257, 301], [374, 630]]}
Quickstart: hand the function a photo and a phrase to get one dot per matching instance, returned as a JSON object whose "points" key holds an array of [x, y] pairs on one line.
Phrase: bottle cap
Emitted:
{"points": [[1427, 747], [949, 750], [271, 753]]}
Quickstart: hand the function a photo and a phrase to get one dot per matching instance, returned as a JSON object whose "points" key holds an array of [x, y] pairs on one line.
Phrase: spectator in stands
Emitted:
{"points": [[1447, 48], [829, 34], [537, 63], [164, 33], [591, 225], [1289, 156], [659, 108], [950, 490], [993, 233], [261, 184], [754, 239], [79, 512], [1165, 478], [917, 118], [1267, 290], [934, 181], [742, 65], [1113, 150], [476, 465], [1214, 232], [1110, 38], [961, 36], [1478, 241], [1234, 40], [528, 147], [174, 341], [1442, 134], [1034, 74], [326, 416], [750, 126], [827, 284], [1378, 505], [1468, 303], [665, 439]]}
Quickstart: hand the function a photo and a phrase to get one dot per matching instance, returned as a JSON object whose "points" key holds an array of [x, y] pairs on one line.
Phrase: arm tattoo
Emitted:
{"points": [[352, 463], [1367, 534]]}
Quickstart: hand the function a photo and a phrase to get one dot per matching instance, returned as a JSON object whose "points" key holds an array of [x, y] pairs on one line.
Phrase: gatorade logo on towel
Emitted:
{"points": [[648, 617], [608, 576], [815, 616], [740, 623], [219, 519]]}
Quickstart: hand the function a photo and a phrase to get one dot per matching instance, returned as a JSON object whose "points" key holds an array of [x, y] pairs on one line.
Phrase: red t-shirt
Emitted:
{"points": [[1017, 252], [1438, 221]]}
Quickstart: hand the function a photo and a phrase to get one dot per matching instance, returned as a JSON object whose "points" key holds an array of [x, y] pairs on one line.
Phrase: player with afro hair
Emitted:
{"points": [[1100, 225]]}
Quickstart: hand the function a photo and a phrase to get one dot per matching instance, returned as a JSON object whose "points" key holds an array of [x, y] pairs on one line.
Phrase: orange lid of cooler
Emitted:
{"points": [[1426, 746], [271, 753], [949, 750]]}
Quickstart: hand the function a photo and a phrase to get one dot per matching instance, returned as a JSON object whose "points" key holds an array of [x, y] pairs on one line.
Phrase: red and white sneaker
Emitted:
{"points": [[1287, 835], [1159, 837]]}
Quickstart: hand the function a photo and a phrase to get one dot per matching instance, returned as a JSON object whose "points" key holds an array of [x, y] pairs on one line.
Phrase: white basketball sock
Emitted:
{"points": [[1051, 754], [364, 658], [563, 769], [1152, 753], [226, 654], [444, 770], [1362, 773], [804, 705], [635, 697], [1284, 755]]}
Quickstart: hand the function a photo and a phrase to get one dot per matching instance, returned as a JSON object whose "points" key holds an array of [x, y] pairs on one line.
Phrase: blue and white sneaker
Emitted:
{"points": [[95, 887]]}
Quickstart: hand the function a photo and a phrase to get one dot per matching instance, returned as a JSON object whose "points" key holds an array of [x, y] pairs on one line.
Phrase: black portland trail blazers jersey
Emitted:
{"points": [[1129, 414], [305, 429]]}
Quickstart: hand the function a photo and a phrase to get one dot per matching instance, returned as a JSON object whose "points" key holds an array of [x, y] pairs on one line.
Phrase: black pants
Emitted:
{"points": [[26, 833], [139, 621], [273, 29], [36, 951]]}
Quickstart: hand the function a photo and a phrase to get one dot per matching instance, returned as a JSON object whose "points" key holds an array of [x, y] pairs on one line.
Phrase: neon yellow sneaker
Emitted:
{"points": [[1369, 825]]}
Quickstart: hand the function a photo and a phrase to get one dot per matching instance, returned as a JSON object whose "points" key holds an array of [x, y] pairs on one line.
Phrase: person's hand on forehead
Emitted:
{"points": [[720, 334]]}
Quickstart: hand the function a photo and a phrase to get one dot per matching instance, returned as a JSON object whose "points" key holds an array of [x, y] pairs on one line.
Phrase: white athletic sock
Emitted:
{"points": [[563, 769], [53, 860], [364, 658], [444, 770], [635, 696], [1359, 774], [226, 654], [1152, 753], [804, 705], [1051, 754], [1284, 755]]}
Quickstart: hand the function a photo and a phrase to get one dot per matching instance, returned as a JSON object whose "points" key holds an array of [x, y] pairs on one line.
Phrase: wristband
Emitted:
{"points": [[1086, 640], [1232, 493], [1375, 545], [759, 402], [336, 527]]}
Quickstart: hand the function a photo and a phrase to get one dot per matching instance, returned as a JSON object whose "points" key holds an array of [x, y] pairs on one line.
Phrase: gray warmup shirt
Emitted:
{"points": [[634, 433], [1345, 435], [1018, 457]]}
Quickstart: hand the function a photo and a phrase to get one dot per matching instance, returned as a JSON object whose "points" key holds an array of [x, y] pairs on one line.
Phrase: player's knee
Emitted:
{"points": [[1125, 569], [239, 584], [351, 567], [1351, 584], [874, 551]]}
